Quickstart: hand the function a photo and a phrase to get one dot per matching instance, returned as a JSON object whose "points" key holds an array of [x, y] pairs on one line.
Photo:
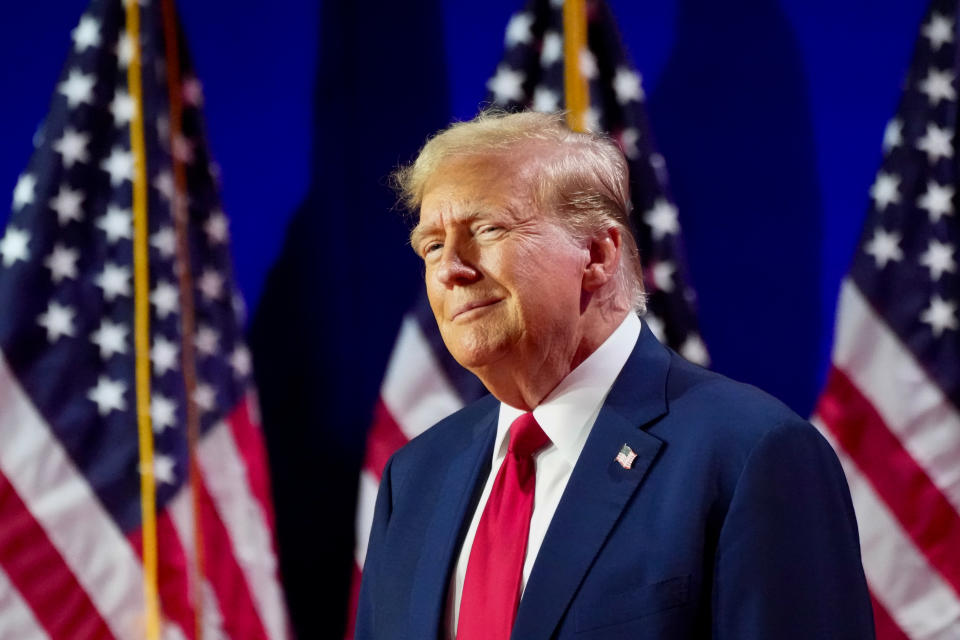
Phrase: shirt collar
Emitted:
{"points": [[568, 412]]}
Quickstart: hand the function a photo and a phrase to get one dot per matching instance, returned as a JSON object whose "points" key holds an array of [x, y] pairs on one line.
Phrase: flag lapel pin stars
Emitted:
{"points": [[626, 456]]}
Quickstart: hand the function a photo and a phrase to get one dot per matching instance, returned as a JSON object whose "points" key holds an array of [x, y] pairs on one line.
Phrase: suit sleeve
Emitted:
{"points": [[366, 605], [788, 557]]}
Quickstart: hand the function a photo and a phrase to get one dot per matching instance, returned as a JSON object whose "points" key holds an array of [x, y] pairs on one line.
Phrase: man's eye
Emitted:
{"points": [[490, 228], [432, 247]]}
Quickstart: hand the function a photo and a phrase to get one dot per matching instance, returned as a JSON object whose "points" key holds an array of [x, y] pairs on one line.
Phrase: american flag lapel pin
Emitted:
{"points": [[626, 456]]}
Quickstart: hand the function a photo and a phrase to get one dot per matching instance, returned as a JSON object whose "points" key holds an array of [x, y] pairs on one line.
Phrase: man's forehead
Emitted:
{"points": [[471, 166], [436, 217]]}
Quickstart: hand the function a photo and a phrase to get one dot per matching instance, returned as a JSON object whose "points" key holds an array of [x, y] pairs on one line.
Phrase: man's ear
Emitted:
{"points": [[604, 259]]}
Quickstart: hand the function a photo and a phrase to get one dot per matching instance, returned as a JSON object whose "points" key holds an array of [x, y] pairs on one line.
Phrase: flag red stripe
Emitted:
{"points": [[925, 514], [40, 574], [354, 600], [252, 448], [384, 438], [886, 628], [173, 574], [174, 577], [240, 619], [224, 479]]}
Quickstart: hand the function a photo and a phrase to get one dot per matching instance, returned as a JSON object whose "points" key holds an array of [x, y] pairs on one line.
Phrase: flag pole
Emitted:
{"points": [[187, 315], [141, 320], [575, 86]]}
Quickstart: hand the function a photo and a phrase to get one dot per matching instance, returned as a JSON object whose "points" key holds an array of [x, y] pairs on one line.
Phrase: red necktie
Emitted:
{"points": [[491, 589]]}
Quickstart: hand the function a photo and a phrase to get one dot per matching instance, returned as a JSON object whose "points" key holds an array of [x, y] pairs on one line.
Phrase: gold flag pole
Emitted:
{"points": [[141, 324], [575, 86]]}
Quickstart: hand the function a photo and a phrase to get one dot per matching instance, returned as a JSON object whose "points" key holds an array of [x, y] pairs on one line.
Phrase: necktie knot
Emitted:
{"points": [[526, 436]]}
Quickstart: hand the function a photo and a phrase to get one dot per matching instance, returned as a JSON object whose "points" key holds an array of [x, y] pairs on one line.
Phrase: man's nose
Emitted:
{"points": [[456, 267]]}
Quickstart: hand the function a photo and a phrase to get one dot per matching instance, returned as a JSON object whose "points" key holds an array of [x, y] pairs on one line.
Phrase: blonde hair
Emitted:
{"points": [[582, 178]]}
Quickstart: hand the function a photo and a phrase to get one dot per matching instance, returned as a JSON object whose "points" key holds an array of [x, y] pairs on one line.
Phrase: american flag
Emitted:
{"points": [[74, 540], [625, 457], [423, 383], [891, 404]]}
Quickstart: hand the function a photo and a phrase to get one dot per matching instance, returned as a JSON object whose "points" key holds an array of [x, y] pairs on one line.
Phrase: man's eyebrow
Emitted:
{"points": [[417, 234], [420, 231]]}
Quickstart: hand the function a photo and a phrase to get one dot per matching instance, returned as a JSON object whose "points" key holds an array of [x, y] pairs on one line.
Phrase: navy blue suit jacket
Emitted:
{"points": [[734, 522]]}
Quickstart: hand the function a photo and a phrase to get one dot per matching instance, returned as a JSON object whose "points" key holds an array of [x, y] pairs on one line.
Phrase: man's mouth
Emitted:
{"points": [[465, 310]]}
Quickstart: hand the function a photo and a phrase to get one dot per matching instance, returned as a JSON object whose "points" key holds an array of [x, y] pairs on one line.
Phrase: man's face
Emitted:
{"points": [[503, 279]]}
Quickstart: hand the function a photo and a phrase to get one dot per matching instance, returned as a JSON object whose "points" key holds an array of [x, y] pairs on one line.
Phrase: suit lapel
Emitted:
{"points": [[461, 486], [598, 490]]}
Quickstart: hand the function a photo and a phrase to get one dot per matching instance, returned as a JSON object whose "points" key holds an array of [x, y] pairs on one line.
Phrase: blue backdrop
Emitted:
{"points": [[770, 115]]}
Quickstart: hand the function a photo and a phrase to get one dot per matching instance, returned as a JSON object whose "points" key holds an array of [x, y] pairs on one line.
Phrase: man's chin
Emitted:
{"points": [[473, 361], [474, 357]]}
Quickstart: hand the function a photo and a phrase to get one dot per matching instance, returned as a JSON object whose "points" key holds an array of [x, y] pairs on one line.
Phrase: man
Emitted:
{"points": [[607, 488]]}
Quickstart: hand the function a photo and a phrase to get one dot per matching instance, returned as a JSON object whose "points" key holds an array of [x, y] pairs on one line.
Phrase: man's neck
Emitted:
{"points": [[523, 381]]}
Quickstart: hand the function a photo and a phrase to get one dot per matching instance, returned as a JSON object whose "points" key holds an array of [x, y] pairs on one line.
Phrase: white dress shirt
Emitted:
{"points": [[566, 416]]}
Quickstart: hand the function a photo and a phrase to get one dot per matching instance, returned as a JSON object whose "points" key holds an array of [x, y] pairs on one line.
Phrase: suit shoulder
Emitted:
{"points": [[739, 413], [724, 428]]}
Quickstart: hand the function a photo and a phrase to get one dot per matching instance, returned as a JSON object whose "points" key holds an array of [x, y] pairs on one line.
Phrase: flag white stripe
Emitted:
{"points": [[415, 390], [172, 631], [366, 502], [225, 477], [62, 502], [417, 394], [899, 575], [912, 406], [181, 514], [17, 621], [180, 509]]}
